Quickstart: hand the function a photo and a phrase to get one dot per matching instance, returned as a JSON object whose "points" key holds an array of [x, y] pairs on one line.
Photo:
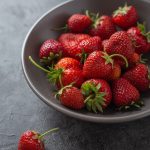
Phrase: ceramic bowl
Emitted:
{"points": [[41, 31]]}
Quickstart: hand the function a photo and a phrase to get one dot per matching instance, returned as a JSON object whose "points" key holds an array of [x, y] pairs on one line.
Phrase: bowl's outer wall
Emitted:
{"points": [[42, 31]]}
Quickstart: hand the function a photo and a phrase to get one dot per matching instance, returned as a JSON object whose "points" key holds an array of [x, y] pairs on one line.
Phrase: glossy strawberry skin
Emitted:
{"points": [[95, 66], [72, 75], [115, 73], [72, 98], [78, 23], [48, 46], [139, 41], [120, 43], [91, 44], [29, 141], [104, 88], [104, 28], [138, 76], [70, 44], [124, 93], [126, 20], [67, 63]]}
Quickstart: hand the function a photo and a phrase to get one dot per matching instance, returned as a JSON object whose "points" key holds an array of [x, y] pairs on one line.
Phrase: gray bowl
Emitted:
{"points": [[56, 18]]}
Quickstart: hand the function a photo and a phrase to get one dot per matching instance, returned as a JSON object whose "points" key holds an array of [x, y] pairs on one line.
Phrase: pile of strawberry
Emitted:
{"points": [[98, 61]]}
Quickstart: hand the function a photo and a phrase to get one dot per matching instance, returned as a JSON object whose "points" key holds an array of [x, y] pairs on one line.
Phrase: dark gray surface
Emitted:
{"points": [[20, 109]]}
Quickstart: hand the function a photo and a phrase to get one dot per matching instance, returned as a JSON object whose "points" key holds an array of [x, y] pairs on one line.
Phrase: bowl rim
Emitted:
{"points": [[101, 119]]}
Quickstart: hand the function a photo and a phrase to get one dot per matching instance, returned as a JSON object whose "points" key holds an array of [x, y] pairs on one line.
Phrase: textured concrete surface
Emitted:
{"points": [[20, 109]]}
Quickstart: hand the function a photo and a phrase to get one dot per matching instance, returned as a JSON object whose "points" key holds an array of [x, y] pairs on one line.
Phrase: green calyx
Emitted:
{"points": [[54, 75], [94, 99], [133, 105], [143, 31], [109, 59], [121, 10], [94, 17], [51, 59]]}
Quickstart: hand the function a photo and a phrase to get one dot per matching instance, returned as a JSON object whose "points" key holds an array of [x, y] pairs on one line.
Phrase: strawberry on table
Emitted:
{"points": [[125, 94], [125, 17], [140, 38], [120, 43], [31, 140], [78, 23], [50, 51], [100, 65], [102, 26], [71, 97], [97, 94], [139, 77]]}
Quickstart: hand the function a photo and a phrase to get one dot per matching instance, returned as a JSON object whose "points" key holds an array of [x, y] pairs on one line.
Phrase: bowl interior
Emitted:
{"points": [[42, 31]]}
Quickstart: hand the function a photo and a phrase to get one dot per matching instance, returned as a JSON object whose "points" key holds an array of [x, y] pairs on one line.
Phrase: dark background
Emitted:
{"points": [[20, 109]]}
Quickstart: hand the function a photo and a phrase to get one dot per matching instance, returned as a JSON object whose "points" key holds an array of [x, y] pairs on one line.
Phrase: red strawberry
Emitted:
{"points": [[104, 42], [50, 51], [71, 97], [78, 23], [119, 43], [67, 63], [99, 65], [135, 59], [103, 26], [124, 93], [62, 77], [70, 44], [91, 44], [115, 73], [139, 77], [125, 17], [66, 77], [31, 140], [140, 39], [97, 93]]}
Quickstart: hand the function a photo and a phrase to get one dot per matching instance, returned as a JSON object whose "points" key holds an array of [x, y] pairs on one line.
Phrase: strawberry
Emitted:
{"points": [[125, 17], [91, 44], [104, 43], [97, 93], [99, 65], [103, 26], [62, 77], [125, 94], [115, 73], [50, 51], [71, 97], [70, 44], [140, 39], [139, 77], [78, 23], [135, 59], [67, 63], [31, 140], [65, 77], [119, 43]]}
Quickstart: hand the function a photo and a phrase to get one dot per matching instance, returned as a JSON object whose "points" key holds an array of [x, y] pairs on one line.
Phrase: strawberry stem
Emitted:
{"points": [[60, 81], [37, 65], [45, 133], [124, 58]]}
